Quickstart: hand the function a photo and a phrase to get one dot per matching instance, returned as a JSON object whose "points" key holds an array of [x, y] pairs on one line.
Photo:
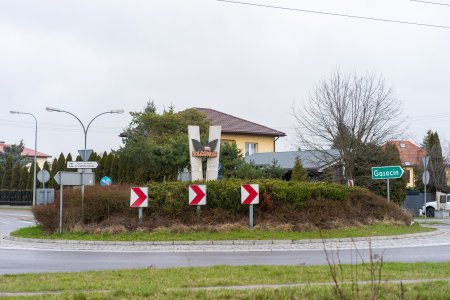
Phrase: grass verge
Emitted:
{"points": [[183, 283], [244, 234]]}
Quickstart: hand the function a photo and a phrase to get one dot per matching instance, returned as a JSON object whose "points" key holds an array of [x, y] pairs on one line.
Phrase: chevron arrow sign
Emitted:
{"points": [[197, 194], [139, 197], [250, 194]]}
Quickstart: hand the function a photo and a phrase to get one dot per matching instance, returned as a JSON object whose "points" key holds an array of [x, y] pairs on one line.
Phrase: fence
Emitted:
{"points": [[16, 198], [415, 200]]}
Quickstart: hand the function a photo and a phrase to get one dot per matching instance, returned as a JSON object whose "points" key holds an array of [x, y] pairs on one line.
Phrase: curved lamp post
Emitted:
{"points": [[85, 131], [35, 150]]}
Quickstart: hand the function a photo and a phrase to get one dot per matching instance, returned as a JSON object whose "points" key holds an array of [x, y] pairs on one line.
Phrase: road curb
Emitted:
{"points": [[435, 233]]}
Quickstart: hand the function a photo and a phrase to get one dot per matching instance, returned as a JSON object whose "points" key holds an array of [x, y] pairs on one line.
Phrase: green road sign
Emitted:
{"points": [[389, 172]]}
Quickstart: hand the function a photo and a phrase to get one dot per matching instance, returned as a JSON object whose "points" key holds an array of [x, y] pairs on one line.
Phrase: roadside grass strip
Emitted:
{"points": [[413, 281], [246, 234]]}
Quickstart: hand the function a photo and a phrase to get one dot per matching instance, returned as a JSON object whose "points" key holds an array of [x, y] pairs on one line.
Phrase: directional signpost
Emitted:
{"points": [[250, 196], [74, 178], [139, 199], [388, 172], [71, 178]]}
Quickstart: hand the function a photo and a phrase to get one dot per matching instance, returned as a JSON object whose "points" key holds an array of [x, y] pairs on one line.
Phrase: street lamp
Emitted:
{"points": [[85, 131], [35, 150]]}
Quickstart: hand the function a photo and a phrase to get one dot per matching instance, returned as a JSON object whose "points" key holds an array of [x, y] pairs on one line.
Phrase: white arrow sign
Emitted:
{"points": [[82, 164]]}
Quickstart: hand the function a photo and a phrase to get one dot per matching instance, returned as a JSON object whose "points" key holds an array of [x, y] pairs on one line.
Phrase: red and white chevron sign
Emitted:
{"points": [[250, 194], [139, 197], [197, 194]]}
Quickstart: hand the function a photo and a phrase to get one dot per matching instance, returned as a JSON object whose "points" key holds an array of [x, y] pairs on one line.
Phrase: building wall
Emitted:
{"points": [[409, 171], [264, 143]]}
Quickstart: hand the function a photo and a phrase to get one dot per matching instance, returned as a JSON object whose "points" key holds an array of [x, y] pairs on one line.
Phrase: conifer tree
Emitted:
{"points": [[107, 166], [437, 164], [100, 169], [54, 170], [61, 163], [298, 172], [2, 171], [68, 158], [31, 176], [7, 176], [23, 178], [114, 168], [15, 179]]}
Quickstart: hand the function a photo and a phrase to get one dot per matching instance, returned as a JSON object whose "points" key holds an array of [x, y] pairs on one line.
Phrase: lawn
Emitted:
{"points": [[244, 234], [196, 283]]}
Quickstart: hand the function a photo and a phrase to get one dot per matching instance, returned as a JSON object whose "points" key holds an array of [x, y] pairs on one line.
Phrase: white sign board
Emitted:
{"points": [[197, 194], [82, 164], [74, 178], [139, 197], [250, 194]]}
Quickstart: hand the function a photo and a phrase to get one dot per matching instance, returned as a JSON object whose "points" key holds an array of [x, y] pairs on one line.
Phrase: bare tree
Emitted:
{"points": [[346, 113]]}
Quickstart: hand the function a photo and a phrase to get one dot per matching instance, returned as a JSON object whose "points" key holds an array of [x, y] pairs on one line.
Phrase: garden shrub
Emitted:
{"points": [[301, 204]]}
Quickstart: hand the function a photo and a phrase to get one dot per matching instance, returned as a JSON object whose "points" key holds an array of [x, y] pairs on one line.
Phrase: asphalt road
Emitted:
{"points": [[63, 260]]}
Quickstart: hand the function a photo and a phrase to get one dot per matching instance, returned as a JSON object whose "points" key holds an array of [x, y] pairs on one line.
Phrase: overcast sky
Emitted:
{"points": [[88, 57]]}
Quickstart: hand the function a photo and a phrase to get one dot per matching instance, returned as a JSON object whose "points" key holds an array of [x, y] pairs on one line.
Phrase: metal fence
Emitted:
{"points": [[16, 198], [414, 201]]}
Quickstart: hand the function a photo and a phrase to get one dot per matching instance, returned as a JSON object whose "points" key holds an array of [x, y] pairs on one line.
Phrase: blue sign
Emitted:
{"points": [[105, 181]]}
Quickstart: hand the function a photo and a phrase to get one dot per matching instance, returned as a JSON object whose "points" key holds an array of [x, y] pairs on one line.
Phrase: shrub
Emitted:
{"points": [[301, 204]]}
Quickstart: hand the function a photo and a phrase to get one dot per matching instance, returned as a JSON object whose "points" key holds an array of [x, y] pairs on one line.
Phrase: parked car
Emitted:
{"points": [[441, 202]]}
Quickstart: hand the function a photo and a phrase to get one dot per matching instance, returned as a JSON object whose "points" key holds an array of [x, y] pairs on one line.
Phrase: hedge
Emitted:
{"points": [[300, 204]]}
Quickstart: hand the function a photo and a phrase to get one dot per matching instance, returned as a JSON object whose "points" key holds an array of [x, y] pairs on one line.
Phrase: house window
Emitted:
{"points": [[227, 142], [402, 145], [250, 148]]}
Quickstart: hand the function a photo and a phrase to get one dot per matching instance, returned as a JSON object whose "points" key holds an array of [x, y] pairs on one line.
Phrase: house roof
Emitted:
{"points": [[311, 159], [410, 153], [232, 124], [26, 151]]}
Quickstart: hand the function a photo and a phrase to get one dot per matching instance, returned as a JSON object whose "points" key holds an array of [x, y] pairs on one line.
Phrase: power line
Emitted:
{"points": [[336, 14], [431, 2]]}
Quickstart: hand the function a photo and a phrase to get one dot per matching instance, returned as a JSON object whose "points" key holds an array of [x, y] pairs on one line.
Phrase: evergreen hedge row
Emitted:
{"points": [[172, 197]]}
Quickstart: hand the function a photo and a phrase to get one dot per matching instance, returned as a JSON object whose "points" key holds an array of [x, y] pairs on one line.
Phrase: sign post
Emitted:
{"points": [[197, 196], [71, 178], [139, 199], [425, 180], [60, 202], [388, 172], [43, 176], [250, 196]]}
